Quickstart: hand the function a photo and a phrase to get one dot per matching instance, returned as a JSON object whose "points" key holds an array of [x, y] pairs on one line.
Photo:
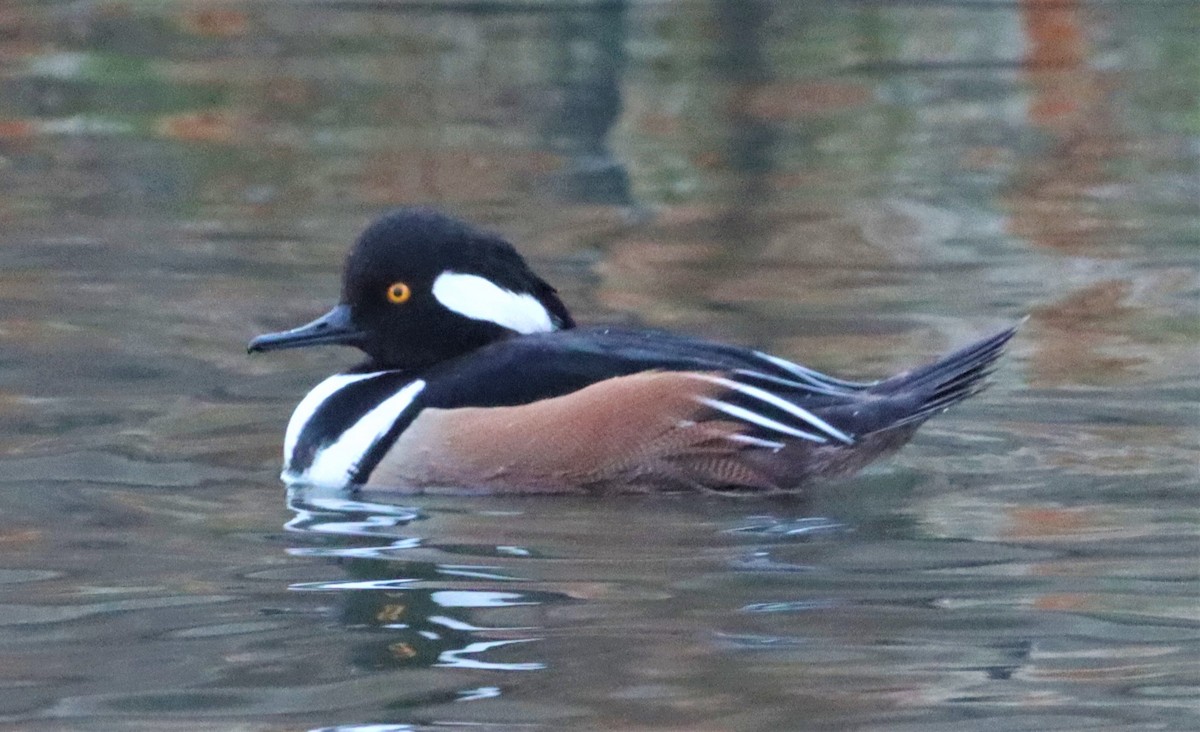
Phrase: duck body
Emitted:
{"points": [[479, 381]]}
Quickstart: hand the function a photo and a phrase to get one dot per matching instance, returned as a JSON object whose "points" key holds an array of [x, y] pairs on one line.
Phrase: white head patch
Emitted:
{"points": [[478, 298]]}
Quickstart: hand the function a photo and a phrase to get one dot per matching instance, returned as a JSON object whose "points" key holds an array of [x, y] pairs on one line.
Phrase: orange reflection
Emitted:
{"points": [[1044, 522], [798, 100], [1064, 602], [16, 129], [19, 537], [199, 127], [215, 22], [1077, 330], [450, 175], [1068, 100], [1057, 50]]}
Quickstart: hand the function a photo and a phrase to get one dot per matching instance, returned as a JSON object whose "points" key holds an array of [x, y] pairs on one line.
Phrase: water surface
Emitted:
{"points": [[856, 185]]}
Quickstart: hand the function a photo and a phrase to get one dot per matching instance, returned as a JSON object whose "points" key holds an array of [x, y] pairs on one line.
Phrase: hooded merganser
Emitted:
{"points": [[477, 378]]}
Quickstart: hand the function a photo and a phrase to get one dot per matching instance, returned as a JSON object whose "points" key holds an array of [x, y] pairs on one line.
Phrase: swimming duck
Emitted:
{"points": [[477, 378]]}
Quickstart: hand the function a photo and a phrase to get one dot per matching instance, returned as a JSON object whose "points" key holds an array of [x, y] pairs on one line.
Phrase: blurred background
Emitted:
{"points": [[857, 185]]}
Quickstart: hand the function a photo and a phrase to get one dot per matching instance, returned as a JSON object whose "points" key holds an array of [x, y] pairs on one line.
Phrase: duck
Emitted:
{"points": [[477, 378]]}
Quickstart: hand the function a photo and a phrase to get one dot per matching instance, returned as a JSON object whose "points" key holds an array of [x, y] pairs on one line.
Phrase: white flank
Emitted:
{"points": [[781, 403], [333, 465], [311, 402], [478, 298]]}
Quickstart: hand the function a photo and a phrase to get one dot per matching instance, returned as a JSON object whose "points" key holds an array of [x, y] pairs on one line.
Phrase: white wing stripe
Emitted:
{"points": [[756, 441], [754, 418], [781, 403], [791, 384], [811, 375]]}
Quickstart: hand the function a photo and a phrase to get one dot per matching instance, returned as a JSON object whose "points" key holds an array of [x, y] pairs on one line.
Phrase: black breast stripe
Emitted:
{"points": [[374, 454], [339, 412]]}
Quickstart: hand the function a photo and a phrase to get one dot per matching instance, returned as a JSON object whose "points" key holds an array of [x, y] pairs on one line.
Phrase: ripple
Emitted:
{"points": [[761, 561], [478, 598], [367, 728], [774, 526], [338, 585], [791, 606], [481, 692], [466, 657], [388, 551], [20, 576]]}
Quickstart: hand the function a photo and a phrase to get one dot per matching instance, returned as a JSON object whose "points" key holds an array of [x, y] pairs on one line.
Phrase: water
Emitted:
{"points": [[857, 185]]}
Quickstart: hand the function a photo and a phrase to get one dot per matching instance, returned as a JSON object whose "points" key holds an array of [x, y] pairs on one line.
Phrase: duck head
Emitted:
{"points": [[420, 287]]}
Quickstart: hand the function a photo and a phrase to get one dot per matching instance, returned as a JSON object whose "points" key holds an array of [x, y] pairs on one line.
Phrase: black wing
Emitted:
{"points": [[777, 400], [545, 365]]}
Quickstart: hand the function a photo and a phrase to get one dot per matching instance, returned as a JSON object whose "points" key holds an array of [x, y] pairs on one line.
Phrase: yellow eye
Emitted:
{"points": [[398, 293]]}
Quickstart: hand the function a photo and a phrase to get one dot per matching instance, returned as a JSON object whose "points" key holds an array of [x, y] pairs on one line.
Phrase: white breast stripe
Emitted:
{"points": [[755, 418], [775, 401], [333, 464], [479, 298], [311, 402]]}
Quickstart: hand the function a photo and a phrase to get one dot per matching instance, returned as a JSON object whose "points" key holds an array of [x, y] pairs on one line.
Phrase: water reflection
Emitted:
{"points": [[590, 50], [856, 184], [412, 596], [618, 595], [420, 611]]}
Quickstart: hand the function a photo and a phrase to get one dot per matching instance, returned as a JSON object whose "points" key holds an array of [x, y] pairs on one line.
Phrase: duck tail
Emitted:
{"points": [[942, 384]]}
